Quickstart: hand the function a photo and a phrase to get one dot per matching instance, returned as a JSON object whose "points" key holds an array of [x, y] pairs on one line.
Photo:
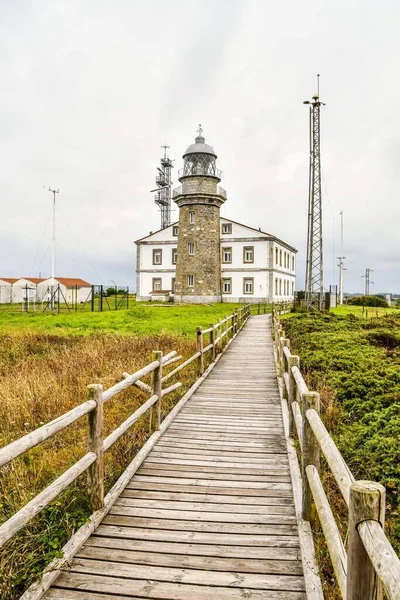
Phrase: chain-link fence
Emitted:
{"points": [[60, 298]]}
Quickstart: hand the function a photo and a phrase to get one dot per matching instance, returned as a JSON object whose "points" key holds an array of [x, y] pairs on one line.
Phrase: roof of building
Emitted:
{"points": [[67, 281], [72, 281], [199, 147]]}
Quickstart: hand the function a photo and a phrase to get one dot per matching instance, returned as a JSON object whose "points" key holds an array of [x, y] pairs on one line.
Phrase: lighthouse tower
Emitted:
{"points": [[198, 267]]}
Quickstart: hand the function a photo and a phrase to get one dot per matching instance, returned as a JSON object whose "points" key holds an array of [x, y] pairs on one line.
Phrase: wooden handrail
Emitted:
{"points": [[92, 461], [370, 553]]}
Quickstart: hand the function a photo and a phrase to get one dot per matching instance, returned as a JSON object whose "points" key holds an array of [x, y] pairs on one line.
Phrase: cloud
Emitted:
{"points": [[90, 91]]}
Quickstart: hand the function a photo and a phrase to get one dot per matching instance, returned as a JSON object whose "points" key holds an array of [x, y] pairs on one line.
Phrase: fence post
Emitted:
{"points": [[367, 501], [156, 383], [293, 361], [212, 337], [310, 454], [200, 346], [226, 330], [95, 473]]}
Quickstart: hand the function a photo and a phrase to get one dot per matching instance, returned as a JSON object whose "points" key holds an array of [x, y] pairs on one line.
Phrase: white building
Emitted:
{"points": [[208, 258], [73, 290], [37, 289], [255, 265]]}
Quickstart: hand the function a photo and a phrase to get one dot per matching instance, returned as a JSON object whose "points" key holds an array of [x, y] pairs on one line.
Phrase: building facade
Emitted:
{"points": [[205, 257]]}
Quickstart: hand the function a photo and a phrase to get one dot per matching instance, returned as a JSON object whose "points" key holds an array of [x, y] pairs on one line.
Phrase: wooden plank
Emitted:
{"points": [[69, 585], [156, 557], [278, 528], [160, 470], [189, 576], [267, 486], [272, 509], [205, 498], [201, 487], [118, 527], [120, 508], [281, 552]]}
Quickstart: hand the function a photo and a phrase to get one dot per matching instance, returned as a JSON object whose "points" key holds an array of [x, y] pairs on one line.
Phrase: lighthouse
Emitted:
{"points": [[199, 199]]}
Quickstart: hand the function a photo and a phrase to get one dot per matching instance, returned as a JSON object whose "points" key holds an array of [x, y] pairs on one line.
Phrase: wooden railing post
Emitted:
{"points": [[367, 502], [156, 384], [226, 330], [310, 450], [235, 320], [200, 346], [212, 337], [95, 473], [293, 361]]}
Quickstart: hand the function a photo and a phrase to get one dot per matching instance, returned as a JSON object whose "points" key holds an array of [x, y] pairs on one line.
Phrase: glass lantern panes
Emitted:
{"points": [[199, 164]]}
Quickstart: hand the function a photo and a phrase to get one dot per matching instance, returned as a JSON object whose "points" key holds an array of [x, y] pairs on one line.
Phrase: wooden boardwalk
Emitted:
{"points": [[210, 513]]}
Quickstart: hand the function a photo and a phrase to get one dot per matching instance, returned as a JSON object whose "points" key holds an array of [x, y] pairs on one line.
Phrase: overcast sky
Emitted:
{"points": [[90, 90]]}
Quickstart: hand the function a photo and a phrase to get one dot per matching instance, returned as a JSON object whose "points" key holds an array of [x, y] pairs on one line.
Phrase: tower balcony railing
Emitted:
{"points": [[199, 169], [178, 191]]}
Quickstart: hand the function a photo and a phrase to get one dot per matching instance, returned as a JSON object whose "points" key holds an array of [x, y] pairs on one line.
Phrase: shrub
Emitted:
{"points": [[367, 301]]}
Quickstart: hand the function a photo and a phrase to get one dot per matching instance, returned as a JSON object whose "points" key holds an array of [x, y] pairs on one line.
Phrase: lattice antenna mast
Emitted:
{"points": [[367, 280], [163, 191], [314, 267]]}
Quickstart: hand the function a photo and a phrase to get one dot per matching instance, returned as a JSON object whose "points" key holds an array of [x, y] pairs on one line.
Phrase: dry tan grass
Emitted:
{"points": [[44, 376]]}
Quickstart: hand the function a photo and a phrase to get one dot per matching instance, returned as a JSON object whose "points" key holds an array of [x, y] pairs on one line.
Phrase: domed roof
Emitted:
{"points": [[199, 146]]}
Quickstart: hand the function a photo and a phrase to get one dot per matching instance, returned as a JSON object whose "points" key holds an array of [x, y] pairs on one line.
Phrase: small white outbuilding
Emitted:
{"points": [[73, 290]]}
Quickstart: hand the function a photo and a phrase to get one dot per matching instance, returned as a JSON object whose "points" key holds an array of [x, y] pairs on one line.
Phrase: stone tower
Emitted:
{"points": [[198, 267]]}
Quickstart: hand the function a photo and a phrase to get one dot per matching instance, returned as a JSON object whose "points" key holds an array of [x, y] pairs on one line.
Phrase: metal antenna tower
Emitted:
{"points": [[53, 240], [341, 261], [314, 268], [367, 280], [163, 190]]}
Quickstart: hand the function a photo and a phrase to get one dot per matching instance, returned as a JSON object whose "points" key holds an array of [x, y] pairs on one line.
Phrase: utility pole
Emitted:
{"points": [[314, 268], [341, 261], [367, 280], [53, 243]]}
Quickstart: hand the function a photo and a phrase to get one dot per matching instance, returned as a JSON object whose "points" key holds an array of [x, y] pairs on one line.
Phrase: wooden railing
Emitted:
{"points": [[92, 462], [370, 564]]}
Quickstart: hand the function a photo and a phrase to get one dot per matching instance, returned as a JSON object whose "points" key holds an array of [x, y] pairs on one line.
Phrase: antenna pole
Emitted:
{"points": [[314, 268], [341, 261], [367, 280], [53, 243], [163, 190]]}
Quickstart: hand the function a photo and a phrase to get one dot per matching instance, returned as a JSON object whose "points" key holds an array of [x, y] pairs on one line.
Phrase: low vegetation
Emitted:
{"points": [[354, 363], [367, 301], [46, 363]]}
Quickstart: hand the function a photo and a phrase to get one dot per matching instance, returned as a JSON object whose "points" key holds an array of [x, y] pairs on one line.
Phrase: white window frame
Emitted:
{"points": [[190, 281], [153, 284], [227, 281], [248, 281], [227, 250], [175, 230], [250, 250], [226, 228], [191, 248], [157, 252], [174, 256], [192, 217]]}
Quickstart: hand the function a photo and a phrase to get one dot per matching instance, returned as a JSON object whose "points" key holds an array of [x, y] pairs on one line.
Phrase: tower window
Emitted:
{"points": [[190, 280], [175, 230], [248, 285], [192, 217], [157, 257], [227, 286], [248, 254], [226, 228], [174, 255], [157, 282], [227, 255], [191, 248]]}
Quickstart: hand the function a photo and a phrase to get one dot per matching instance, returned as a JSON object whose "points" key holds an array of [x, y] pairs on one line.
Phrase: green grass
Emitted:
{"points": [[144, 319]]}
